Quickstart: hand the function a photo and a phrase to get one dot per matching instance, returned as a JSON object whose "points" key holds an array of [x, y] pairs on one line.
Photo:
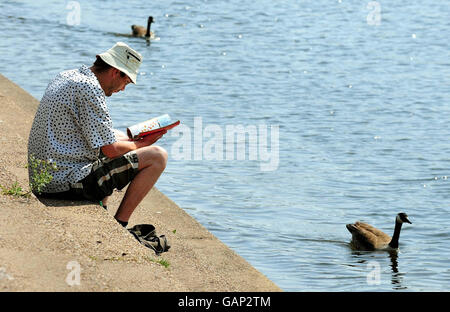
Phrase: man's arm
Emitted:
{"points": [[120, 148], [121, 136]]}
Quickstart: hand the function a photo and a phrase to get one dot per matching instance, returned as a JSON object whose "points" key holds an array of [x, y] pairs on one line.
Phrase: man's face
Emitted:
{"points": [[117, 82]]}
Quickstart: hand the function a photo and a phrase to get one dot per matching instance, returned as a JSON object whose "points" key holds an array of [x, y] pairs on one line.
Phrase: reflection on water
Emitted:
{"points": [[376, 267], [397, 277], [148, 41]]}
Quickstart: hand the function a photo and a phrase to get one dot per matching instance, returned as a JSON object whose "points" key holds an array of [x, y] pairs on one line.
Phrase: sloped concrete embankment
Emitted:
{"points": [[46, 246]]}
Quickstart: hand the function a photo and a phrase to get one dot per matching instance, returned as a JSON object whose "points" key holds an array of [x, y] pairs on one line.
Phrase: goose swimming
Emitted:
{"points": [[367, 237], [141, 31]]}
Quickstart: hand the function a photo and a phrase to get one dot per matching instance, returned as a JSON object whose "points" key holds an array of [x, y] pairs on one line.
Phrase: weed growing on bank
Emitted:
{"points": [[40, 173], [40, 176]]}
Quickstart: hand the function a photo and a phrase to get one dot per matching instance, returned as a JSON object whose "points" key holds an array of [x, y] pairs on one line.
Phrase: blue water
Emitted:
{"points": [[361, 104]]}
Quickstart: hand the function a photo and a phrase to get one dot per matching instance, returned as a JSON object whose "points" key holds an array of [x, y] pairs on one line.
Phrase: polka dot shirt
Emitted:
{"points": [[71, 124]]}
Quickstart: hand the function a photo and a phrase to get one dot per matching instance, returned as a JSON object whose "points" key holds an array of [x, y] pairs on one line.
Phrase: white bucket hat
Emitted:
{"points": [[124, 58]]}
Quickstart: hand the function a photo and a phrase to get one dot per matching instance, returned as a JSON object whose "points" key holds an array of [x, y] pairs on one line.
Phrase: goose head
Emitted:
{"points": [[402, 218]]}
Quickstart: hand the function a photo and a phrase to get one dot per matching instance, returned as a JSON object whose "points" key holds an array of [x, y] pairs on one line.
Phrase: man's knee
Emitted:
{"points": [[154, 156], [161, 157]]}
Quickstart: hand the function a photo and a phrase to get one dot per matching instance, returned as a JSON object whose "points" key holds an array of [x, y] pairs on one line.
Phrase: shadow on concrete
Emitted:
{"points": [[52, 202]]}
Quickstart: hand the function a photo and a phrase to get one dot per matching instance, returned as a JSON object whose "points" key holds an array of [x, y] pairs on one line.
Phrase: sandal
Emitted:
{"points": [[146, 235]]}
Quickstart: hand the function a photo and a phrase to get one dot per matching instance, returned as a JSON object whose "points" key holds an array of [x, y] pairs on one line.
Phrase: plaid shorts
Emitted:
{"points": [[106, 175]]}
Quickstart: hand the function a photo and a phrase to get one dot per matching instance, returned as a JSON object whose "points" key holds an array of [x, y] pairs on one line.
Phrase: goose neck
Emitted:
{"points": [[149, 23], [396, 236]]}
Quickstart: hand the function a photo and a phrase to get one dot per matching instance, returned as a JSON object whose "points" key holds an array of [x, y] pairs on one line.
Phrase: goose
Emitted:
{"points": [[367, 237], [141, 31]]}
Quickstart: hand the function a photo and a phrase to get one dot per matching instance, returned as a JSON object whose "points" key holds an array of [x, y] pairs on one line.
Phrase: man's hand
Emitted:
{"points": [[120, 148], [152, 138]]}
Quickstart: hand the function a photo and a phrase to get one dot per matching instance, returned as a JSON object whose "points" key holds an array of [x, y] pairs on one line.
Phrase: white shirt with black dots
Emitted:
{"points": [[71, 124]]}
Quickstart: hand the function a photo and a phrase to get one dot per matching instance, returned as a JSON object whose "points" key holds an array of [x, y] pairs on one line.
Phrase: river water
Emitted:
{"points": [[344, 105]]}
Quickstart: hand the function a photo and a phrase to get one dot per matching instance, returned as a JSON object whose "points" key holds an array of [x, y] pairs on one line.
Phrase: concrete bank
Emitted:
{"points": [[43, 245]]}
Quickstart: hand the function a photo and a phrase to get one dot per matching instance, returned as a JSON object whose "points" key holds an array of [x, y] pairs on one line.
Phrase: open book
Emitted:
{"points": [[150, 126]]}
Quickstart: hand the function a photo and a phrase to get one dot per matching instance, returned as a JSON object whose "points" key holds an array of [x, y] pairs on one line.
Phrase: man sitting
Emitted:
{"points": [[73, 129]]}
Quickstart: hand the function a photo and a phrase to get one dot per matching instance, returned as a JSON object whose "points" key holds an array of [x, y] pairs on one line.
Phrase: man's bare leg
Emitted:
{"points": [[152, 162]]}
